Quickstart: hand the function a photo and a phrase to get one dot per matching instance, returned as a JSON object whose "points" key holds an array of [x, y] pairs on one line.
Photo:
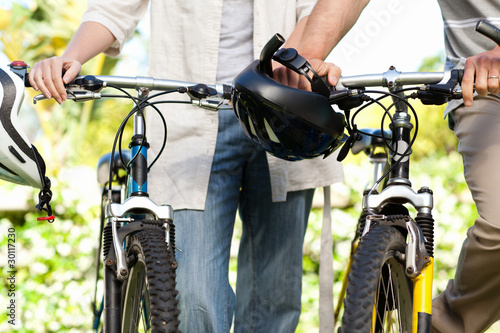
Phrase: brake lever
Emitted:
{"points": [[438, 94], [82, 95], [81, 89], [449, 87], [38, 98], [211, 104], [75, 95]]}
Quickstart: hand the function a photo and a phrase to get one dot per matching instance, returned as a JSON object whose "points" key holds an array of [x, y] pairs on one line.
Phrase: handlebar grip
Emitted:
{"points": [[20, 68], [27, 83], [489, 30], [267, 52]]}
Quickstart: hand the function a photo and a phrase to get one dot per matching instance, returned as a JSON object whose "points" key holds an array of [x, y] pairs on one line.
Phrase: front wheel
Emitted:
{"points": [[379, 294], [149, 301]]}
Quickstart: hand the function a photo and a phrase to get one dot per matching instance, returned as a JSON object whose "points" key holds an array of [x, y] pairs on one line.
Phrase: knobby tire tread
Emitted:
{"points": [[373, 251], [161, 279]]}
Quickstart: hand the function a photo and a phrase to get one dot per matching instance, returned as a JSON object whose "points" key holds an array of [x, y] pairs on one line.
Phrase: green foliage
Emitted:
{"points": [[55, 262], [433, 63]]}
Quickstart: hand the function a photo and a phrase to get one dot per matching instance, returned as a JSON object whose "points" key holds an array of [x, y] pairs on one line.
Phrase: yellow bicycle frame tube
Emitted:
{"points": [[354, 247], [422, 299]]}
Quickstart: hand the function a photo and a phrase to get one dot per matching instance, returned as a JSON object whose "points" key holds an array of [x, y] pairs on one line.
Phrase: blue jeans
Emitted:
{"points": [[268, 290]]}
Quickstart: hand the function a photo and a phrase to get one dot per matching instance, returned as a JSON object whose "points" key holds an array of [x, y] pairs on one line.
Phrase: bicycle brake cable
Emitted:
{"points": [[139, 106], [387, 113]]}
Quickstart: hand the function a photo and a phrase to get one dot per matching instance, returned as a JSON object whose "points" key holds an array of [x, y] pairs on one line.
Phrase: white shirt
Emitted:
{"points": [[184, 46]]}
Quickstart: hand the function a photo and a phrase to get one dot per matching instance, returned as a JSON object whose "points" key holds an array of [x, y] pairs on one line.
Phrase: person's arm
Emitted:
{"points": [[317, 34], [482, 72], [292, 79], [90, 39], [332, 19], [328, 23]]}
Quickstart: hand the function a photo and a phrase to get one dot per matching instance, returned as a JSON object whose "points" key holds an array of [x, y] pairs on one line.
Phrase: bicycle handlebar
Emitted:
{"points": [[88, 86], [392, 78], [431, 87], [220, 90]]}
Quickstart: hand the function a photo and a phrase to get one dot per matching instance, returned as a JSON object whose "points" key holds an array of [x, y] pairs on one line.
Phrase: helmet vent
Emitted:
{"points": [[8, 170], [252, 129], [16, 154], [270, 132]]}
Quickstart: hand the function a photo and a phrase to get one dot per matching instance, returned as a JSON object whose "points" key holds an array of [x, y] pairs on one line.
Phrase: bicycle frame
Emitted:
{"points": [[120, 216], [134, 204], [395, 188], [419, 262]]}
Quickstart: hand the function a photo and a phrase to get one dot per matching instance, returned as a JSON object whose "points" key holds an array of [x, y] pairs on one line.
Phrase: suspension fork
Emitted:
{"points": [[422, 284], [422, 299], [112, 298], [419, 250]]}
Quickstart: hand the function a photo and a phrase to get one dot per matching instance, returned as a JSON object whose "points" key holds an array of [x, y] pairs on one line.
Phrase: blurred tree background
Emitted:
{"points": [[55, 262]]}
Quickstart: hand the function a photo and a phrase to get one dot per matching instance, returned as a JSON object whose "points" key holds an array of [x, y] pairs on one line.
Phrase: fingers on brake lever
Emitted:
{"points": [[77, 96]]}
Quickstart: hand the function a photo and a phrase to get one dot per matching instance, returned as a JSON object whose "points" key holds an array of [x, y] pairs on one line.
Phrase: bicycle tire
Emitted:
{"points": [[379, 293], [149, 301]]}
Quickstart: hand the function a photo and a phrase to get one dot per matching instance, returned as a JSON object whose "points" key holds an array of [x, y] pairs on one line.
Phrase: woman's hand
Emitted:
{"points": [[482, 72], [47, 76]]}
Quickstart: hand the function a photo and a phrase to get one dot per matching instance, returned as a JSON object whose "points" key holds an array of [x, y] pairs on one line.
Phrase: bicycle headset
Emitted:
{"points": [[20, 161], [289, 123]]}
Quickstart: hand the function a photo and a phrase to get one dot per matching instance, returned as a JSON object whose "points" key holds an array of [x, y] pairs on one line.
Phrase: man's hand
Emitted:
{"points": [[482, 72], [292, 79], [47, 76]]}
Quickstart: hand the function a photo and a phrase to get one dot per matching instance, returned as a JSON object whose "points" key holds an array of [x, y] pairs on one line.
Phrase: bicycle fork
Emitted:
{"points": [[418, 257], [419, 252], [126, 218]]}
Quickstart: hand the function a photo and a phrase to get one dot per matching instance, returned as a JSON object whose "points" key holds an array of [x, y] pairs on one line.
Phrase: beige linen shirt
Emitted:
{"points": [[184, 46]]}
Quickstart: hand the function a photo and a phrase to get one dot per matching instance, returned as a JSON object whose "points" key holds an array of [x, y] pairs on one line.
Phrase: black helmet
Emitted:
{"points": [[289, 123]]}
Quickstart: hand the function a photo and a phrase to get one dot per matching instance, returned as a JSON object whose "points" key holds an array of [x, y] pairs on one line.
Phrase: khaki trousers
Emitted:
{"points": [[471, 301]]}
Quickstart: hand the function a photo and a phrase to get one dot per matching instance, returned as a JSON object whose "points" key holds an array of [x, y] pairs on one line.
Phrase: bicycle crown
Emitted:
{"points": [[289, 123]]}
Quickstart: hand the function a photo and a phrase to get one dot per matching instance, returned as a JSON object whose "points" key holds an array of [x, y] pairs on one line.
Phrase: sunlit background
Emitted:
{"points": [[55, 278]]}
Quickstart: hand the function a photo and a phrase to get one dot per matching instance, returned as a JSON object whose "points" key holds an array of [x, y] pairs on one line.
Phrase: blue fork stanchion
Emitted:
{"points": [[139, 168]]}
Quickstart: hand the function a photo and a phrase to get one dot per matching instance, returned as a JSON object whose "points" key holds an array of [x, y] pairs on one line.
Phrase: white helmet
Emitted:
{"points": [[20, 162]]}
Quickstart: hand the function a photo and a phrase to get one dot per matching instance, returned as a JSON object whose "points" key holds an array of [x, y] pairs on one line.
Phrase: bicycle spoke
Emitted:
{"points": [[388, 306]]}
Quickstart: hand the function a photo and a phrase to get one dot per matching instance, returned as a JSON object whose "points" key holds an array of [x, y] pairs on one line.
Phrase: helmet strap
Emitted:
{"points": [[44, 198], [45, 194], [291, 59]]}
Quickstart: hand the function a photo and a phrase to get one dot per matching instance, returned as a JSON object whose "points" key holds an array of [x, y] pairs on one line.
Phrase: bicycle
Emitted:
{"points": [[395, 248], [388, 283], [137, 236]]}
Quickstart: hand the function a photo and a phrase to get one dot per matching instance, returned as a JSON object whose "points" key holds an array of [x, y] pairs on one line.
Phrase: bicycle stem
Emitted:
{"points": [[401, 128]]}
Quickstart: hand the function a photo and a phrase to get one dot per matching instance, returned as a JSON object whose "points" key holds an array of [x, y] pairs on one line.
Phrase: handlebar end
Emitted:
{"points": [[20, 68], [488, 30]]}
